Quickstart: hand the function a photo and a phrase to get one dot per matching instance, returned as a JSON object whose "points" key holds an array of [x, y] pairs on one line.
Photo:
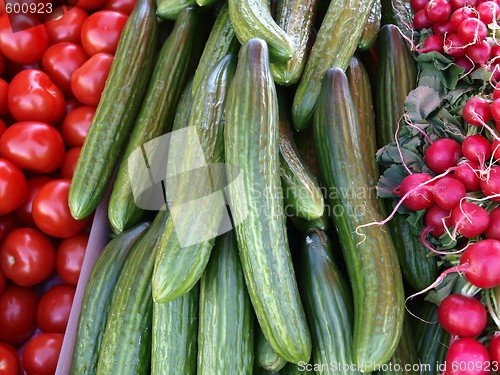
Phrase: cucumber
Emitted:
{"points": [[293, 369], [328, 304], [226, 330], [322, 223], [307, 150], [175, 329], [126, 344], [302, 195], [116, 111], [252, 146], [399, 13], [252, 19], [97, 298], [265, 356], [178, 267], [371, 258], [372, 27], [171, 9], [296, 18], [157, 112], [330, 49], [206, 3]]}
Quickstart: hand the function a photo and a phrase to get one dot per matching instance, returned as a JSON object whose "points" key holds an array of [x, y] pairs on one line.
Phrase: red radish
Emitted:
{"points": [[493, 230], [495, 348], [469, 219], [479, 52], [443, 28], [467, 356], [454, 46], [480, 262], [420, 196], [466, 174], [495, 149], [465, 63], [432, 43], [420, 20], [490, 183], [448, 191], [496, 90], [437, 219], [438, 10], [488, 11], [462, 316], [455, 4], [461, 14], [472, 30], [443, 154], [476, 148], [418, 4], [495, 109], [477, 111]]}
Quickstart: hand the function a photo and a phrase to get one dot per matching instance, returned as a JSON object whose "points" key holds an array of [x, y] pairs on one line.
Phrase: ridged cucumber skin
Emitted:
{"points": [[307, 150], [116, 112], [399, 13], [265, 356], [296, 18], [175, 329], [328, 303], [252, 19], [126, 344], [372, 27], [301, 192], [331, 49], [371, 259], [226, 328], [177, 268], [171, 9], [97, 298], [252, 146], [157, 112]]}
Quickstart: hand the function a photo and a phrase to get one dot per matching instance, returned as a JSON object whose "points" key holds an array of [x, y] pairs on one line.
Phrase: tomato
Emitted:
{"points": [[54, 307], [14, 352], [88, 81], [41, 353], [60, 61], [13, 187], [17, 313], [69, 164], [34, 146], [65, 25], [8, 362], [51, 212], [3, 127], [87, 4], [24, 211], [8, 223], [27, 43], [69, 257], [33, 96], [4, 105], [101, 31], [76, 125], [3, 281], [125, 6], [3, 64]]}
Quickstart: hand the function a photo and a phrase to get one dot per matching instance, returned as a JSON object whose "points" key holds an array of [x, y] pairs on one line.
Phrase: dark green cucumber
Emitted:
{"points": [[331, 49], [252, 148], [372, 27], [322, 223], [302, 195], [370, 257], [399, 13], [307, 150], [178, 267], [126, 344], [116, 111], [328, 303], [293, 369], [97, 298], [226, 329], [175, 329], [171, 9], [206, 3], [157, 112], [296, 18], [265, 356], [252, 19]]}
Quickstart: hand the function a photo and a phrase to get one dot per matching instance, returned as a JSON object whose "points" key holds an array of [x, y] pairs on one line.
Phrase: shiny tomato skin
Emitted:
{"points": [[87, 4], [54, 307], [88, 81], [125, 6], [14, 352], [51, 212], [101, 31], [69, 258], [33, 146], [4, 104], [8, 362], [76, 124], [8, 223], [17, 313], [60, 61], [33, 96], [69, 164], [3, 281], [13, 187], [25, 211], [66, 25], [3, 127], [41, 353]]}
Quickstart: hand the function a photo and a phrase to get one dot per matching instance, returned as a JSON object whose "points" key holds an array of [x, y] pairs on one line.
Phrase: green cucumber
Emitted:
{"points": [[206, 3], [175, 329], [226, 329], [331, 49], [252, 147], [126, 344], [293, 369], [328, 303], [116, 111], [307, 150], [322, 223], [296, 18], [265, 356], [252, 19], [157, 112], [372, 27], [370, 258], [171, 9], [96, 300], [399, 13]]}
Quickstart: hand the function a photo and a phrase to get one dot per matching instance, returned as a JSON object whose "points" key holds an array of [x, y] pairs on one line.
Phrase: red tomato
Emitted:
{"points": [[33, 146], [3, 281], [27, 257], [69, 257], [24, 211], [101, 31], [41, 353], [54, 307], [4, 104], [14, 352], [76, 125], [33, 96], [17, 313], [69, 164], [65, 25], [8, 223], [8, 362], [51, 212], [3, 64], [87, 4], [60, 61], [3, 127], [13, 187], [88, 81], [125, 6], [24, 40]]}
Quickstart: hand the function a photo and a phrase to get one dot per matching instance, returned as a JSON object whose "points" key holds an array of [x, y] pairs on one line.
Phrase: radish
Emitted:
{"points": [[432, 43], [495, 109], [476, 149], [477, 111], [465, 63], [438, 10], [496, 90], [454, 46], [461, 14], [443, 154], [472, 30], [455, 4], [448, 191], [467, 356], [443, 28], [479, 52], [420, 20], [488, 11], [467, 175], [462, 316], [421, 196], [436, 220], [469, 219], [495, 149], [495, 348], [493, 230], [418, 4], [490, 184], [480, 262]]}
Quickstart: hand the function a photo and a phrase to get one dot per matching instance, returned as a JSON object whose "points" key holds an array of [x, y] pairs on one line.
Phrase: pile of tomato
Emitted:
{"points": [[53, 67]]}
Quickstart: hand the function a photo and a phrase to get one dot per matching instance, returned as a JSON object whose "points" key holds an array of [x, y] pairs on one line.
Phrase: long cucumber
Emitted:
{"points": [[265, 356], [171, 9]]}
